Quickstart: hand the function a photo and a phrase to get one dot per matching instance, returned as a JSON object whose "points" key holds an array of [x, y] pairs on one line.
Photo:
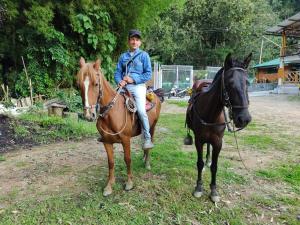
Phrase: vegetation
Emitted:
{"points": [[51, 36], [45, 129]]}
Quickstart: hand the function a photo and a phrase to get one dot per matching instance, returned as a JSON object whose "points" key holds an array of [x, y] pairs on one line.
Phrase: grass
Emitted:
{"points": [[2, 158], [287, 173], [47, 129], [164, 195], [295, 98], [180, 103]]}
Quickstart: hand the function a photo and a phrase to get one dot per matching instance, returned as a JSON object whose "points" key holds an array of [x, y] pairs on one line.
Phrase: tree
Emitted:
{"points": [[203, 32]]}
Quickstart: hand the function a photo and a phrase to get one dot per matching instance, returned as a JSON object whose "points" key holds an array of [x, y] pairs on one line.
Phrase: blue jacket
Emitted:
{"points": [[139, 70]]}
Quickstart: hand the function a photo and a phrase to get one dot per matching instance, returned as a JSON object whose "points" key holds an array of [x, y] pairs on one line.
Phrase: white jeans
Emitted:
{"points": [[138, 91]]}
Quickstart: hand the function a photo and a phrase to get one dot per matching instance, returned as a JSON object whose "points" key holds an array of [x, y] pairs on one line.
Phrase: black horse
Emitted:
{"points": [[205, 114]]}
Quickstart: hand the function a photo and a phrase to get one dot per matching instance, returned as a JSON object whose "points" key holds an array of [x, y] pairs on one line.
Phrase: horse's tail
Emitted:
{"points": [[160, 94]]}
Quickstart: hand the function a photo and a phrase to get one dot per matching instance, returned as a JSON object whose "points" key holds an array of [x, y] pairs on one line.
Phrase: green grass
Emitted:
{"points": [[21, 131], [47, 129], [180, 103], [2, 158], [289, 173], [294, 98]]}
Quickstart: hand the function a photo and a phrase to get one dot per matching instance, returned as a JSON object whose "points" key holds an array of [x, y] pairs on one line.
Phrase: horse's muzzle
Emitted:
{"points": [[242, 118]]}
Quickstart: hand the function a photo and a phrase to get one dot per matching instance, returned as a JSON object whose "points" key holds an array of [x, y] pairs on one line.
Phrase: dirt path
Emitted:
{"points": [[50, 168]]}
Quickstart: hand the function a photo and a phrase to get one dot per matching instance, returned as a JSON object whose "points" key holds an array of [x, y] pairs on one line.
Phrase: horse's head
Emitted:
{"points": [[235, 90], [89, 83]]}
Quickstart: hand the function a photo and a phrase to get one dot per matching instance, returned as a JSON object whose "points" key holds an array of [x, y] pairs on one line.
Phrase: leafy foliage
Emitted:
{"points": [[202, 32]]}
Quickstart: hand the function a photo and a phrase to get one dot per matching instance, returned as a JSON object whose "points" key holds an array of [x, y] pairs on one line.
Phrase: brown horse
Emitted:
{"points": [[116, 124], [205, 114]]}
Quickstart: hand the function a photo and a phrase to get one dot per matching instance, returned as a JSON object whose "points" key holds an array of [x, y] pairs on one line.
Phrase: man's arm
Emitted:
{"points": [[119, 71]]}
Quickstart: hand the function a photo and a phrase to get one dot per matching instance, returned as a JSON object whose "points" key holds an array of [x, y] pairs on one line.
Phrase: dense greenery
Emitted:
{"points": [[52, 35], [202, 32]]}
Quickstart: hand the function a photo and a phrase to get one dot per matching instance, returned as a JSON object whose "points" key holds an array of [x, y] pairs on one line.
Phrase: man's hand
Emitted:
{"points": [[122, 83], [128, 79]]}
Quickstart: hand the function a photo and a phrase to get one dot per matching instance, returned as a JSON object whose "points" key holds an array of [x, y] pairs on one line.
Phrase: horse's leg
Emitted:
{"points": [[208, 162], [200, 164], [213, 168], [111, 176], [127, 159]]}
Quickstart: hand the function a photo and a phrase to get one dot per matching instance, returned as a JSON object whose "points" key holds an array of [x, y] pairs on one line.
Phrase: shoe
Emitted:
{"points": [[148, 144]]}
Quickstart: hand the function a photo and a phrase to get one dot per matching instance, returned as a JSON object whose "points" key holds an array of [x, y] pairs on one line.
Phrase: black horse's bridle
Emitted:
{"points": [[224, 92], [225, 101]]}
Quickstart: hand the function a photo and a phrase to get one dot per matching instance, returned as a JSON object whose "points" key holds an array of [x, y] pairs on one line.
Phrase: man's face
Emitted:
{"points": [[134, 43]]}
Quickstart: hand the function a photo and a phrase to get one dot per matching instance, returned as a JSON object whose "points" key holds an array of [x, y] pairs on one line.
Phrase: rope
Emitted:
{"points": [[120, 131], [238, 150]]}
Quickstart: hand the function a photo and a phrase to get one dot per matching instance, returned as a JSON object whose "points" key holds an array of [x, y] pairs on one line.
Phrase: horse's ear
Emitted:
{"points": [[81, 62], [97, 64], [228, 61], [247, 60]]}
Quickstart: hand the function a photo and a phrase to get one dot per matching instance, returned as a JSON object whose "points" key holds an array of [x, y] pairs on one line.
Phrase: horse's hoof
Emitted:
{"points": [[197, 194], [128, 186], [107, 191], [215, 198]]}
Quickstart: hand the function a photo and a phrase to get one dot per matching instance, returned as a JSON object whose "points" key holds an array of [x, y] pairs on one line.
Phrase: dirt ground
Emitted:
{"points": [[50, 168]]}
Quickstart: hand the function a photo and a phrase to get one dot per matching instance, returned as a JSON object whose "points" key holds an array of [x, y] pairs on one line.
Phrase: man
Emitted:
{"points": [[133, 71]]}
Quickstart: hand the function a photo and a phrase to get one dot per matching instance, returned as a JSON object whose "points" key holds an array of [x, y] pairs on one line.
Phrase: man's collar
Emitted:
{"points": [[135, 51]]}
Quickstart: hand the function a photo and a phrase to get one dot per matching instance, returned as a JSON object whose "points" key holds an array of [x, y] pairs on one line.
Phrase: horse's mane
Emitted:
{"points": [[87, 70]]}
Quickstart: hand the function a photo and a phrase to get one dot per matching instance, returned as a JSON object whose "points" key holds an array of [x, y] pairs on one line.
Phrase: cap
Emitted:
{"points": [[133, 33]]}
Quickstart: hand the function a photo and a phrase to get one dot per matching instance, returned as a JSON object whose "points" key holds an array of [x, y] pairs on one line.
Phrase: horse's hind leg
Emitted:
{"points": [[200, 164], [127, 159], [111, 176], [214, 167]]}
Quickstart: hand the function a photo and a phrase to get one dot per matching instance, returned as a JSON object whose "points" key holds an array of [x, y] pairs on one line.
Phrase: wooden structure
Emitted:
{"points": [[287, 28], [267, 72]]}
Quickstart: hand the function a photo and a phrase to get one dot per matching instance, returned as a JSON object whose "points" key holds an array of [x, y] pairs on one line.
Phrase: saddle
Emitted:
{"points": [[199, 87], [149, 97]]}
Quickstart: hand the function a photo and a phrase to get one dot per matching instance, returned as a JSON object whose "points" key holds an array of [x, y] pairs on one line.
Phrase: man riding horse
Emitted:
{"points": [[133, 71]]}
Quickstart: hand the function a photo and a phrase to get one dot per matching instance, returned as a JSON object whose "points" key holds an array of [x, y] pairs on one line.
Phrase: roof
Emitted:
{"points": [[295, 59], [290, 26]]}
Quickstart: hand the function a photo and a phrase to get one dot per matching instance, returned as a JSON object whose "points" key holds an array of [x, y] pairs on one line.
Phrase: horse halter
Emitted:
{"points": [[224, 93]]}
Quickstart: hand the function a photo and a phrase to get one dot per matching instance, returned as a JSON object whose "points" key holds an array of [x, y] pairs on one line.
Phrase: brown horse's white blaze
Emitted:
{"points": [[119, 125]]}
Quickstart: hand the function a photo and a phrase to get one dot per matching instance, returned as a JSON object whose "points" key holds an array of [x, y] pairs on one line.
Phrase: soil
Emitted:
{"points": [[8, 140]]}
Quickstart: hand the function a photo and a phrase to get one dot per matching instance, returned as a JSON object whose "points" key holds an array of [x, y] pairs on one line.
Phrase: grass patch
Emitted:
{"points": [[179, 103], [258, 141], [287, 173], [294, 98], [20, 130], [2, 158], [45, 129]]}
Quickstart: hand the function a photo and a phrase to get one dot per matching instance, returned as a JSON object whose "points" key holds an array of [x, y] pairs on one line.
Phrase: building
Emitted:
{"points": [[267, 72]]}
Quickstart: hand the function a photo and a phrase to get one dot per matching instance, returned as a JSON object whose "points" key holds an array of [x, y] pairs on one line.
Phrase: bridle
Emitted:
{"points": [[225, 101], [224, 93], [106, 108]]}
